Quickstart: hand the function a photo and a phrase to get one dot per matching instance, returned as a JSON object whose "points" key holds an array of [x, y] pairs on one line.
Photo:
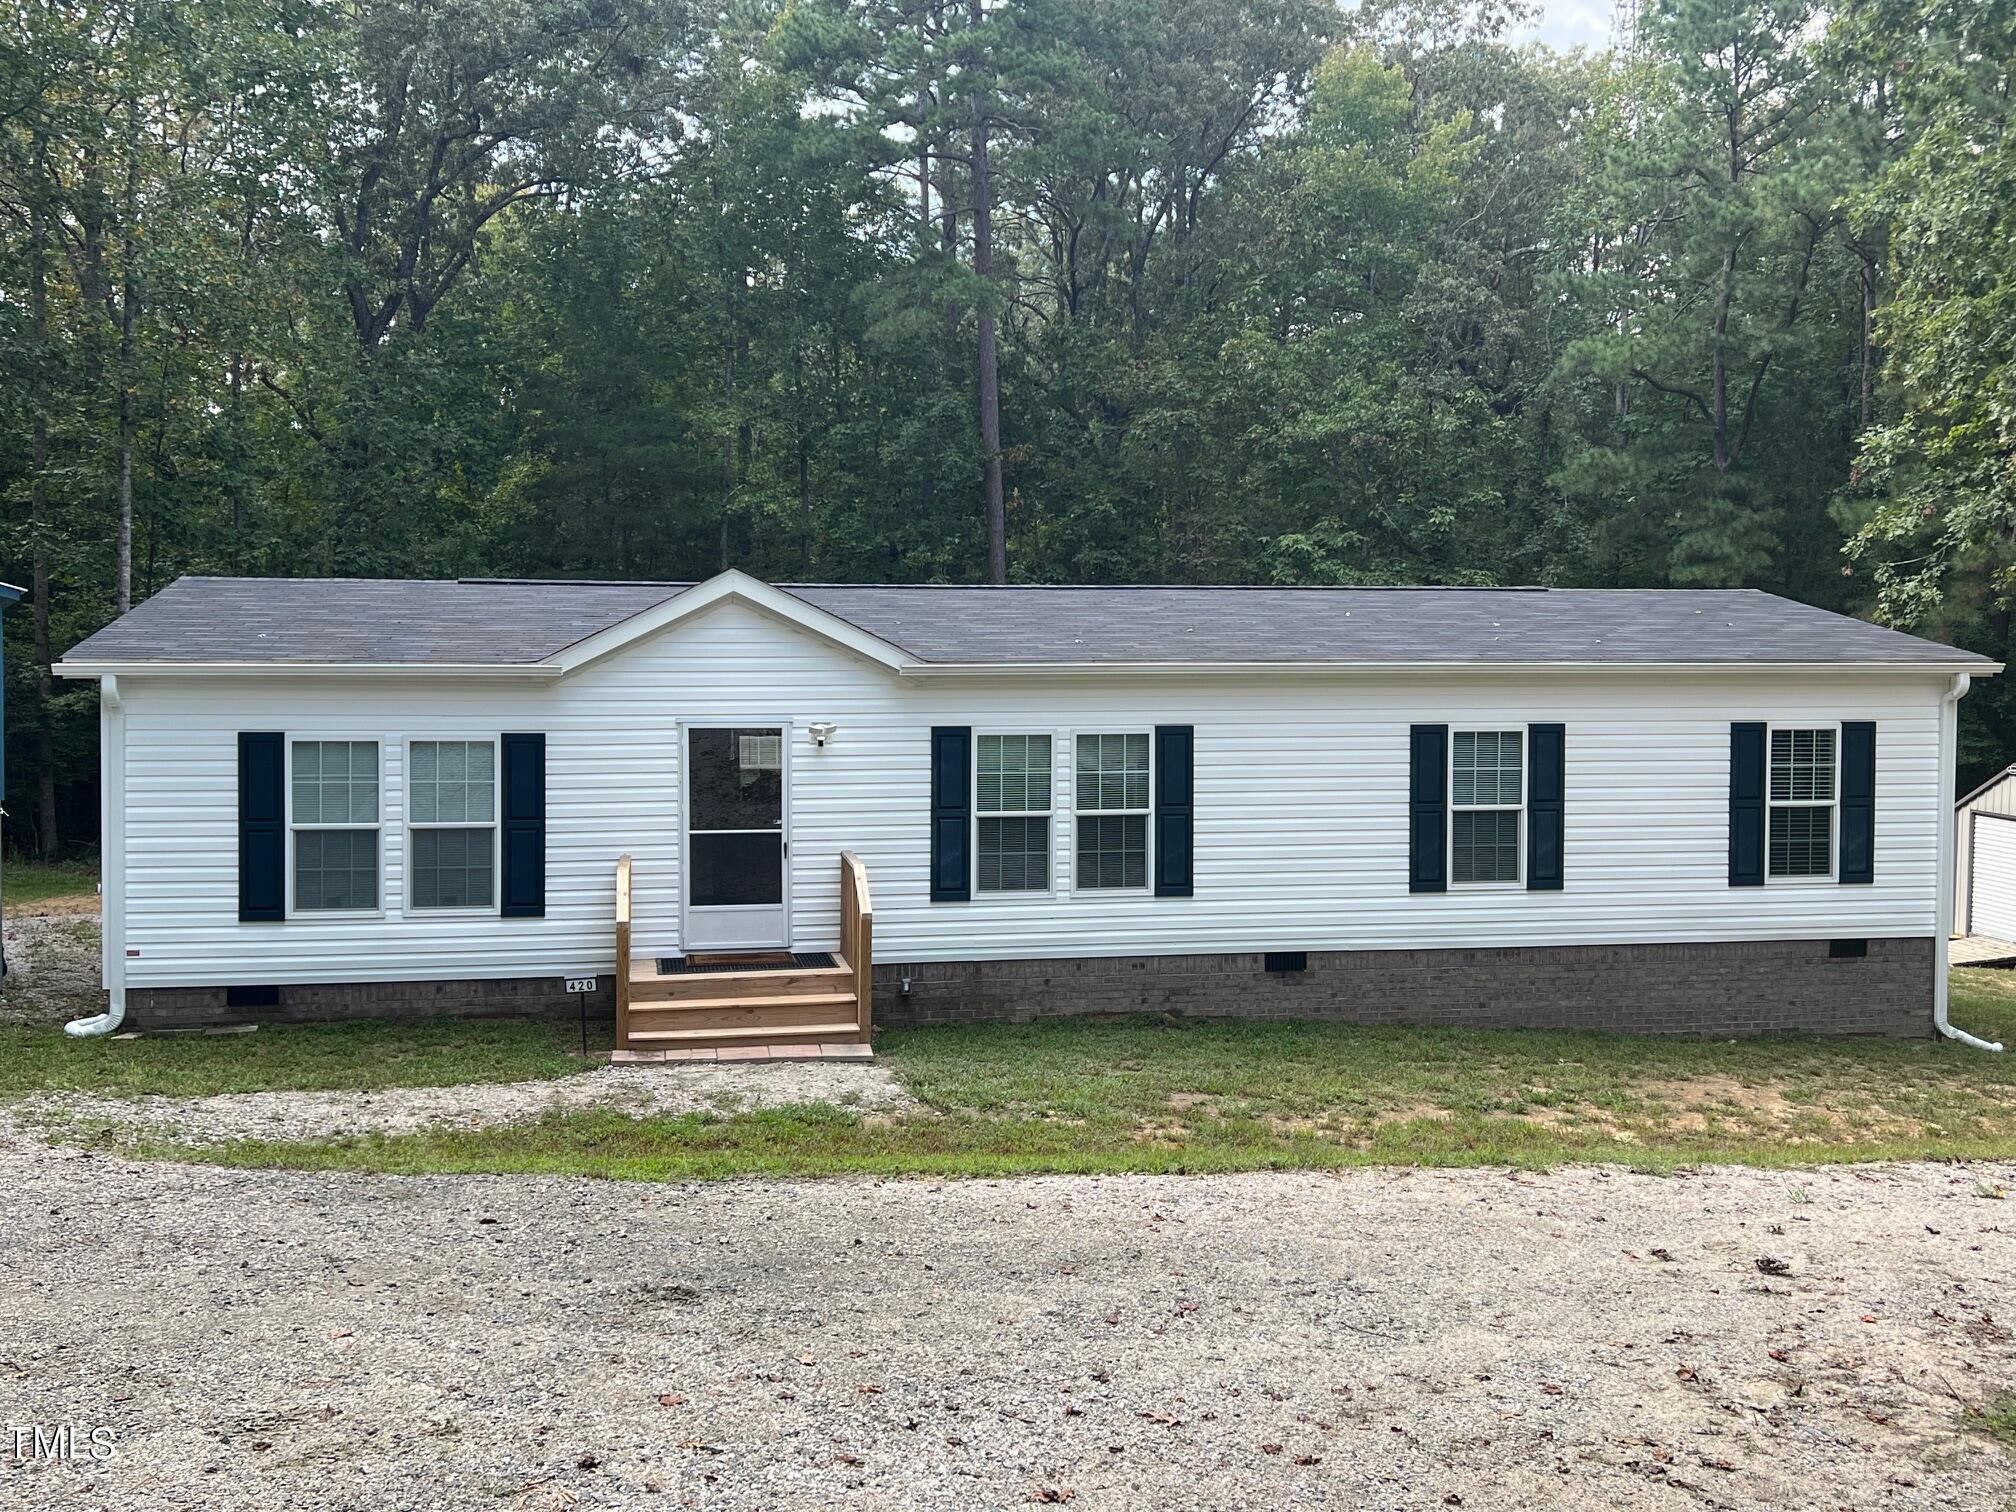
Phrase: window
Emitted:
{"points": [[1487, 803], [1112, 810], [451, 817], [1012, 811], [335, 823], [1803, 789]]}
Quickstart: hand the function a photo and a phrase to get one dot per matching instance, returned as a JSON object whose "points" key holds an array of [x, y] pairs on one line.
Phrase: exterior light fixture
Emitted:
{"points": [[821, 731]]}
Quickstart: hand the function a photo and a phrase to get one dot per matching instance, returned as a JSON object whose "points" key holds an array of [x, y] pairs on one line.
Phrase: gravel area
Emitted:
{"points": [[52, 969], [635, 1091], [1367, 1339]]}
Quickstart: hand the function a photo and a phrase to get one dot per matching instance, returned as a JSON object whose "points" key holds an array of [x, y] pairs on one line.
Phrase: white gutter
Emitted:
{"points": [[1949, 722], [1415, 668], [112, 863], [549, 671], [520, 671]]}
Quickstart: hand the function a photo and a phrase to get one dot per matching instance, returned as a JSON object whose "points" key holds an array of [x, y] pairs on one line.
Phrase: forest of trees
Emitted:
{"points": [[1026, 290]]}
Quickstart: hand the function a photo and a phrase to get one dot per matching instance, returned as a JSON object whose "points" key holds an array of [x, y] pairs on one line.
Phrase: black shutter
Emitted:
{"points": [[951, 813], [1545, 809], [1175, 809], [1428, 810], [1858, 800], [262, 827], [1746, 805], [524, 827]]}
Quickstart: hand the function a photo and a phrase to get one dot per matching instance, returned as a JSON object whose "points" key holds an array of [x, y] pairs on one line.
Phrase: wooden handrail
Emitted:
{"points": [[623, 952], [857, 935]]}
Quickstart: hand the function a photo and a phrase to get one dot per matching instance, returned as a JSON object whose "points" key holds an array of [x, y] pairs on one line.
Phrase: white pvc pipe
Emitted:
{"points": [[1949, 719], [100, 1023]]}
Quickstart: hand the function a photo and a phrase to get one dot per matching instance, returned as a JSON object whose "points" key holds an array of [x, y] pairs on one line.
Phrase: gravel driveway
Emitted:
{"points": [[1368, 1339], [649, 1091]]}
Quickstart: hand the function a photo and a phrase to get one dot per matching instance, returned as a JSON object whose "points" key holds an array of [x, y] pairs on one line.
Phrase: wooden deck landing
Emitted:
{"points": [[774, 1000], [1980, 950]]}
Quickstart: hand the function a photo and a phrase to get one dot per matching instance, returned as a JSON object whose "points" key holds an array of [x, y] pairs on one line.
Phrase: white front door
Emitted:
{"points": [[736, 858]]}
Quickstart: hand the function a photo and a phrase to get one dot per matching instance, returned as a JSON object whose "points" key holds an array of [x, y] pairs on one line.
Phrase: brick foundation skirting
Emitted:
{"points": [[1709, 989], [322, 1002]]}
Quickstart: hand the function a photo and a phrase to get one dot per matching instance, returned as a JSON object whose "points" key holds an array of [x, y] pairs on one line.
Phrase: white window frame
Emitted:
{"points": [[1833, 804], [1147, 814], [1510, 727], [315, 737], [433, 911], [1047, 815]]}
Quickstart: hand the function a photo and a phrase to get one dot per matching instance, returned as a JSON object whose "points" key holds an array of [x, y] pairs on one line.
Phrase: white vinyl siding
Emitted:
{"points": [[1301, 809], [1992, 897], [333, 821], [1802, 793]]}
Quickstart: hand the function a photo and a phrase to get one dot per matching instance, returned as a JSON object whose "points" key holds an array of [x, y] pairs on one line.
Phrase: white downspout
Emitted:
{"points": [[1949, 723], [112, 862]]}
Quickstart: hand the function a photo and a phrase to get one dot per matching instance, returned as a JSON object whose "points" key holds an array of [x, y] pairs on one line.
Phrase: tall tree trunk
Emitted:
{"points": [[129, 297], [1868, 343], [728, 431], [990, 376], [47, 837]]}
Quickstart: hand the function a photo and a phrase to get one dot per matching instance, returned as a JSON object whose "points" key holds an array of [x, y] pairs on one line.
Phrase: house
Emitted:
{"points": [[1700, 812], [1984, 859]]}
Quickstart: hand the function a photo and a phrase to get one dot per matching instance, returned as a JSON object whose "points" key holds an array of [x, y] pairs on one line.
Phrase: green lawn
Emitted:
{"points": [[1108, 1095], [32, 885], [301, 1057]]}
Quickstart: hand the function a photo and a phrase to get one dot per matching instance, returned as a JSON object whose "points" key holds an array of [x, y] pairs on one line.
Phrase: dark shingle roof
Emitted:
{"points": [[466, 623]]}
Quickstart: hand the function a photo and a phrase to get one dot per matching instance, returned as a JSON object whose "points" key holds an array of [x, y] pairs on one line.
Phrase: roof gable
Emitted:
{"points": [[731, 586]]}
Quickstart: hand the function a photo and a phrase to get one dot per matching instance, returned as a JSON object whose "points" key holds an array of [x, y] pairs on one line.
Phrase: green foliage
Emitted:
{"points": [[1284, 293]]}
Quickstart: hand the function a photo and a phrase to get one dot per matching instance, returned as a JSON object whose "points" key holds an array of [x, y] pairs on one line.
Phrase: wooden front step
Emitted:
{"points": [[648, 987], [770, 999], [822, 1034], [729, 1015]]}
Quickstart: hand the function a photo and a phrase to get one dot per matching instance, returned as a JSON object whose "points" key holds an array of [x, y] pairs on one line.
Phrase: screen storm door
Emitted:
{"points": [[735, 843]]}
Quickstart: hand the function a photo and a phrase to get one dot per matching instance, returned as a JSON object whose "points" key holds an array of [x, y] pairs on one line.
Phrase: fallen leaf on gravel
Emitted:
{"points": [[1074, 1412], [341, 1333], [807, 1360], [847, 1459], [1715, 1464], [1166, 1419], [1113, 1316], [1270, 1448], [1868, 1317], [867, 1390], [1660, 1254], [1687, 1373], [1052, 1494], [1550, 1389], [587, 1462], [1781, 1355], [1771, 1265], [699, 1448], [1308, 1459], [669, 1400]]}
